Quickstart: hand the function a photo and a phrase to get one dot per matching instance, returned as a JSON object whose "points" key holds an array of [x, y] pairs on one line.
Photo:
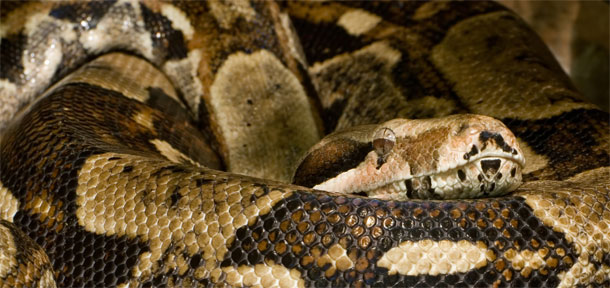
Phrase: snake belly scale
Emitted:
{"points": [[126, 128]]}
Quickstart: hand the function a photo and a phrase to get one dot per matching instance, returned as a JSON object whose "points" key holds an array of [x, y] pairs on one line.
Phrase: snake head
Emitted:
{"points": [[459, 156]]}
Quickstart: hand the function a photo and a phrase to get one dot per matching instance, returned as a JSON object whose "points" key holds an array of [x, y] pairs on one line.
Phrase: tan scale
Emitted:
{"points": [[429, 9], [434, 258], [178, 19], [264, 275], [576, 207], [7, 258], [29, 268], [336, 256], [578, 212], [9, 204], [358, 21], [171, 153], [273, 108], [112, 202]]}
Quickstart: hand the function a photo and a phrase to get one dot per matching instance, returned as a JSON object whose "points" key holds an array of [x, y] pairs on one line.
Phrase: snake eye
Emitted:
{"points": [[383, 144]]}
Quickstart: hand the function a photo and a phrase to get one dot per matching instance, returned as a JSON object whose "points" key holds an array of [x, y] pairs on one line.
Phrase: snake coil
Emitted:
{"points": [[126, 129]]}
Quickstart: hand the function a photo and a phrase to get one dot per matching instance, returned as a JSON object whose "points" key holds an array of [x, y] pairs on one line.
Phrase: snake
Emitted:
{"points": [[147, 143]]}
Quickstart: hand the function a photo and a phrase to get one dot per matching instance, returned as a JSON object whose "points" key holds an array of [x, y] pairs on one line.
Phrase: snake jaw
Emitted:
{"points": [[474, 180]]}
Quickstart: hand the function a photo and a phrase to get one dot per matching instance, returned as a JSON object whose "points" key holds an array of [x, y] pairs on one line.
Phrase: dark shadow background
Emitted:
{"points": [[577, 32]]}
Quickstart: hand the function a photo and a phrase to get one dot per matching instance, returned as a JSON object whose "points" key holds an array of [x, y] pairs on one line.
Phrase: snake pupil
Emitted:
{"points": [[383, 144]]}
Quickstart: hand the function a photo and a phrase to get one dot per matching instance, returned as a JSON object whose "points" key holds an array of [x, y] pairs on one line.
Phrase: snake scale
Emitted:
{"points": [[111, 167]]}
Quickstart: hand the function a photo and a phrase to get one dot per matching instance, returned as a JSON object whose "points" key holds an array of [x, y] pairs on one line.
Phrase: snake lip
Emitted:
{"points": [[484, 176], [518, 159]]}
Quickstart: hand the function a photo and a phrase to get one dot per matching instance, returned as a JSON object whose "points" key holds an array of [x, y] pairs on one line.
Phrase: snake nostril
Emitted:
{"points": [[490, 167]]}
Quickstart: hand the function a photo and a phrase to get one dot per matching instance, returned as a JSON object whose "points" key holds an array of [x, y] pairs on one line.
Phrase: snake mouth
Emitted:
{"points": [[484, 177]]}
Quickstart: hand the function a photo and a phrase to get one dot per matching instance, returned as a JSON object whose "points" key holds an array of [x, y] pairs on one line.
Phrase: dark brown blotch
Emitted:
{"points": [[473, 151], [171, 41], [485, 136], [331, 160], [158, 99], [409, 184], [461, 175], [91, 12], [12, 47], [175, 197]]}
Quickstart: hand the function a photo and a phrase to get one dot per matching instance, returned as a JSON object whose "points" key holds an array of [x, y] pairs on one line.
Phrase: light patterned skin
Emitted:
{"points": [[126, 169], [460, 156]]}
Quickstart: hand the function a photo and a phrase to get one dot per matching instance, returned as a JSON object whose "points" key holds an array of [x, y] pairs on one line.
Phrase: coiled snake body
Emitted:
{"points": [[110, 169]]}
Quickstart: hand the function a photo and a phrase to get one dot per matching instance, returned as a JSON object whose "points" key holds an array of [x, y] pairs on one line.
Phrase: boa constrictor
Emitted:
{"points": [[112, 176]]}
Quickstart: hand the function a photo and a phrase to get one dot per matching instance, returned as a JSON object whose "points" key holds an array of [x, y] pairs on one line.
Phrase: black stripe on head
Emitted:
{"points": [[473, 151], [90, 12], [486, 135], [163, 35], [330, 160]]}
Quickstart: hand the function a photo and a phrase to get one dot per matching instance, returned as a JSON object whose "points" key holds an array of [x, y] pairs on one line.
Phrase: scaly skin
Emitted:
{"points": [[105, 171]]}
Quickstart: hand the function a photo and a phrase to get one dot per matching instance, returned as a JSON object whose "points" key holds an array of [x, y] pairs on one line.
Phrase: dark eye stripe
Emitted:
{"points": [[473, 151], [330, 160], [486, 135]]}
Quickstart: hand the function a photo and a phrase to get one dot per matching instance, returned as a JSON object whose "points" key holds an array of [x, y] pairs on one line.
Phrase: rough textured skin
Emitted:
{"points": [[22, 262], [106, 173]]}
